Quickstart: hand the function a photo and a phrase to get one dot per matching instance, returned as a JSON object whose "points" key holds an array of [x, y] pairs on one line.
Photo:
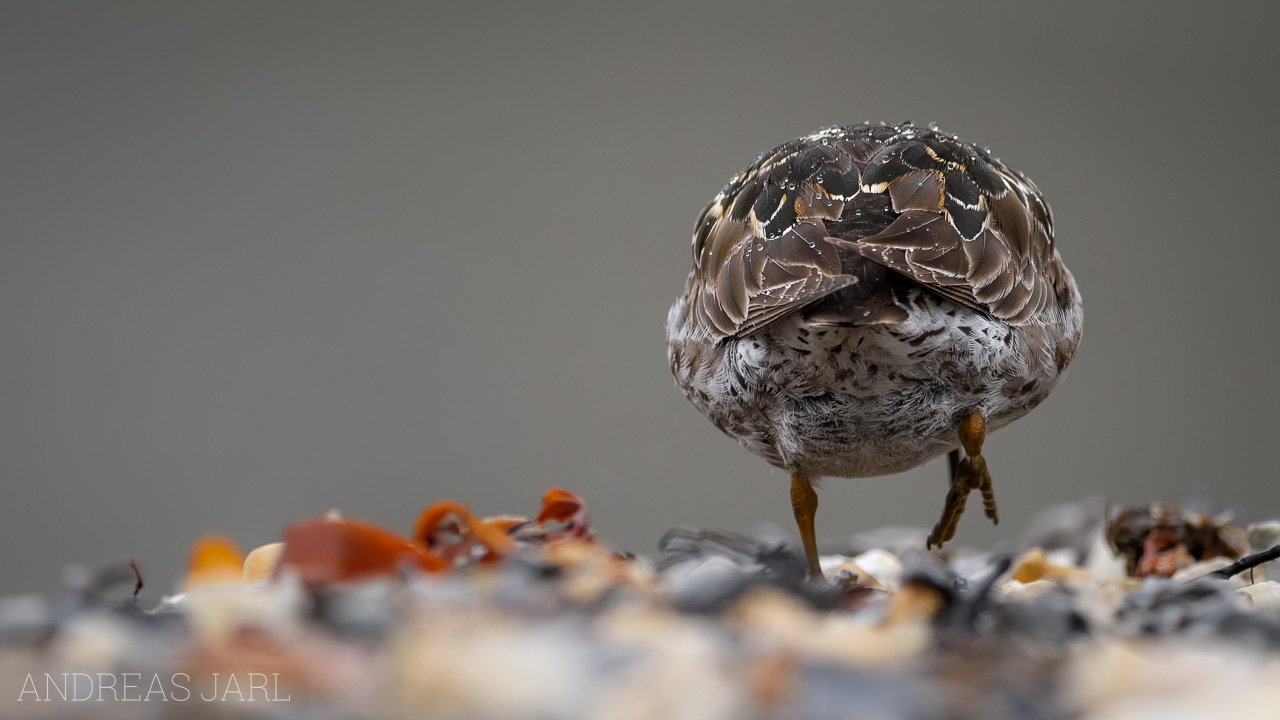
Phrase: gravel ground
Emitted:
{"points": [[1140, 614]]}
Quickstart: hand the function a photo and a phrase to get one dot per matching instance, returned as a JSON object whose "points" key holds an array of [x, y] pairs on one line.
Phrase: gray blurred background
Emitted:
{"points": [[259, 260]]}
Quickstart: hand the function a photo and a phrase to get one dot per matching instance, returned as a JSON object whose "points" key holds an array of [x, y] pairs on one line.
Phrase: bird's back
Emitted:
{"points": [[934, 210]]}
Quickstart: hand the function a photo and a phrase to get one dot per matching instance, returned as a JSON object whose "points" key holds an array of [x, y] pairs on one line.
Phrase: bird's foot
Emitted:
{"points": [[970, 474]]}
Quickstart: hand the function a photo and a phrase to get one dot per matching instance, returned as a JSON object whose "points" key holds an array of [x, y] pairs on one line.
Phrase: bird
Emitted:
{"points": [[869, 297]]}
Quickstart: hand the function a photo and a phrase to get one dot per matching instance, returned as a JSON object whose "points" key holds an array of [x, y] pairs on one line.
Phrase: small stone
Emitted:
{"points": [[1018, 590], [705, 584], [877, 568], [1195, 570], [1033, 566], [1161, 606], [273, 609], [1102, 564], [92, 642], [479, 663], [915, 602], [1263, 594], [1049, 616], [25, 617], [369, 610], [702, 570], [782, 623], [1264, 536], [261, 562]]}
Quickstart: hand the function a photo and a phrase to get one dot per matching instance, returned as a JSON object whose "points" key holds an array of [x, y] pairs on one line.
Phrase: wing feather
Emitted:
{"points": [[987, 227], [793, 228]]}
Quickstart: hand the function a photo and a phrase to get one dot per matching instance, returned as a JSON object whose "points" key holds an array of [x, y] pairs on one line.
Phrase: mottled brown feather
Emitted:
{"points": [[792, 228]]}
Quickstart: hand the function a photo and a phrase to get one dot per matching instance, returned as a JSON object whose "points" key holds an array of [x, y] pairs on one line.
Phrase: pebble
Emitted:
{"points": [[1264, 536], [1263, 595], [261, 562]]}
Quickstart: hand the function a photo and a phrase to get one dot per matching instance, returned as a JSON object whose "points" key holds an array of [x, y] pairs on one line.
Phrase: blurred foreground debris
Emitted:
{"points": [[1163, 539], [1143, 612]]}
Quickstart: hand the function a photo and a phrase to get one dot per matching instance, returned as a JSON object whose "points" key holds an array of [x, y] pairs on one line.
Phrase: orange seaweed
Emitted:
{"points": [[213, 560], [1163, 554], [561, 506], [446, 530], [325, 550], [446, 535]]}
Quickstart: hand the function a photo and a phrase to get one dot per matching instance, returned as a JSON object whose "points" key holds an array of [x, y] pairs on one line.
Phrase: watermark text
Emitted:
{"points": [[157, 687]]}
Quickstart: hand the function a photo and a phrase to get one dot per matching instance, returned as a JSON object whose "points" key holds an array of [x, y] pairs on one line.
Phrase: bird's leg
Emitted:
{"points": [[804, 502], [969, 473]]}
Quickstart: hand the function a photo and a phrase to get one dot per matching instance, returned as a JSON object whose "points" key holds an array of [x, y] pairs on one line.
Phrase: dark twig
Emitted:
{"points": [[137, 588], [982, 591], [1247, 562], [964, 608]]}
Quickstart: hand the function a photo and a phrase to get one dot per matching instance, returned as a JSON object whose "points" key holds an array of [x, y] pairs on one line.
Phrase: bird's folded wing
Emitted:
{"points": [[789, 230], [755, 280], [967, 228]]}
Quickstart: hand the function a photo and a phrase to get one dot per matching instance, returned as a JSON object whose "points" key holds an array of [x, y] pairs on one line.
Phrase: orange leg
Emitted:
{"points": [[967, 474], [804, 502]]}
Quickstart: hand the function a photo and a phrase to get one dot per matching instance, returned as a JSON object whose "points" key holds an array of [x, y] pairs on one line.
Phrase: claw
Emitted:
{"points": [[968, 474]]}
